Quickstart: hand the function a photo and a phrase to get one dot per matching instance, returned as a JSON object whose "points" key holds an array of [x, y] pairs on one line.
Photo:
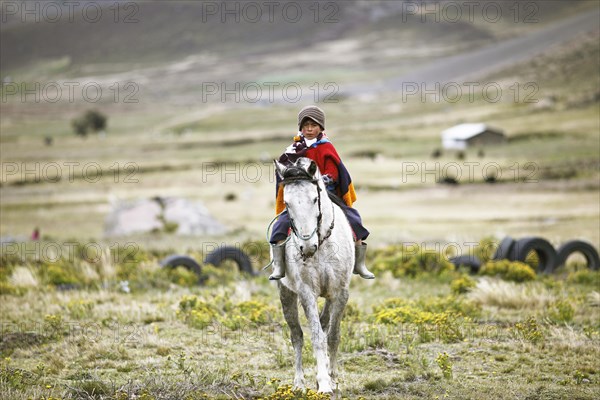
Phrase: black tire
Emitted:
{"points": [[175, 260], [504, 249], [578, 246], [545, 252], [473, 262], [230, 253]]}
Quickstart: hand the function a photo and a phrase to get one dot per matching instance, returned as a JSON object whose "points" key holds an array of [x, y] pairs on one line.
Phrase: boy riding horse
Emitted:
{"points": [[313, 143]]}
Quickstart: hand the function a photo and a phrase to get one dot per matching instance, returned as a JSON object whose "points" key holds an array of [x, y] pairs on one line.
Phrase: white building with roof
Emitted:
{"points": [[461, 136]]}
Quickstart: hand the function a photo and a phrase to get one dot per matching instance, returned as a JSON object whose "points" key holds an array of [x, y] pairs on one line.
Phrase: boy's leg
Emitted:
{"points": [[278, 236], [360, 248]]}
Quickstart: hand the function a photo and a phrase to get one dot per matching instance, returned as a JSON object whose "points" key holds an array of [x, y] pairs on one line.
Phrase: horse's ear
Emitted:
{"points": [[312, 168], [280, 168]]}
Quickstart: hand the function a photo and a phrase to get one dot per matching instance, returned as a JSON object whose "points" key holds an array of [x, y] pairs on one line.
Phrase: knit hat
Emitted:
{"points": [[314, 113]]}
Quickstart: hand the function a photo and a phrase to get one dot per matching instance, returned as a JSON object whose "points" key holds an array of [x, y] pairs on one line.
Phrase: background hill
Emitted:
{"points": [[160, 32]]}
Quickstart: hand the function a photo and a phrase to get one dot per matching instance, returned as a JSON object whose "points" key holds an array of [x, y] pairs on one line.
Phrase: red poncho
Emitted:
{"points": [[337, 177]]}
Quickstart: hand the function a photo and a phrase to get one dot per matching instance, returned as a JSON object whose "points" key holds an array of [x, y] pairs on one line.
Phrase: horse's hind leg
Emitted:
{"points": [[289, 304], [336, 310]]}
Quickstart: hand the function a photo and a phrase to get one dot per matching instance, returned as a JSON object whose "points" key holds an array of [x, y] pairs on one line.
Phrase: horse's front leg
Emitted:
{"points": [[289, 304], [336, 311], [319, 339]]}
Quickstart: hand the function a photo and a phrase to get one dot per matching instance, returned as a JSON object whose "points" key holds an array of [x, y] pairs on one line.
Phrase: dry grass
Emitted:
{"points": [[23, 277], [593, 299], [502, 294]]}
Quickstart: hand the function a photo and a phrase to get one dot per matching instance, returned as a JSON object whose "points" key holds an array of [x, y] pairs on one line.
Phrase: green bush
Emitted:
{"points": [[529, 330], [433, 318], [130, 254], [561, 311], [249, 312], [411, 261], [214, 276], [288, 393], [258, 252], [352, 313], [443, 361], [7, 288], [585, 277], [462, 285], [80, 308], [509, 270], [62, 274], [485, 249], [195, 312], [91, 120], [182, 276]]}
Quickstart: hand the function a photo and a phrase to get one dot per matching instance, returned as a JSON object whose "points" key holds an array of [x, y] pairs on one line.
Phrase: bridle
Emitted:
{"points": [[294, 175]]}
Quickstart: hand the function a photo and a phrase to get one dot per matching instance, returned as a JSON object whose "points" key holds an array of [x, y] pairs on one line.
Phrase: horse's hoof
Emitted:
{"points": [[299, 384], [325, 388]]}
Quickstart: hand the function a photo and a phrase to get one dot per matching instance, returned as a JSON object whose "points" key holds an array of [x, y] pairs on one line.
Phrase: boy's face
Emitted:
{"points": [[310, 129]]}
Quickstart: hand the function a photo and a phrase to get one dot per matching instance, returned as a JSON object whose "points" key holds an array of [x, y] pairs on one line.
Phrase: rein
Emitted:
{"points": [[299, 176]]}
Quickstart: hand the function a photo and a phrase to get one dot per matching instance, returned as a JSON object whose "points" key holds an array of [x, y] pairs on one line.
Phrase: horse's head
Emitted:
{"points": [[303, 193]]}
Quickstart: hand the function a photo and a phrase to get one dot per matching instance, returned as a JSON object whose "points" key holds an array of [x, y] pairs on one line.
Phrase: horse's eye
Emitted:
{"points": [[315, 200]]}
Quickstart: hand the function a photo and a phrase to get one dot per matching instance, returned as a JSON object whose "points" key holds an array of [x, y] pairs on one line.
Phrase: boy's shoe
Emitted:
{"points": [[359, 263], [278, 262]]}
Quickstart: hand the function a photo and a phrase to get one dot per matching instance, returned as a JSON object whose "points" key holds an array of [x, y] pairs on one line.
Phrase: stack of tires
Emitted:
{"points": [[216, 258], [550, 259]]}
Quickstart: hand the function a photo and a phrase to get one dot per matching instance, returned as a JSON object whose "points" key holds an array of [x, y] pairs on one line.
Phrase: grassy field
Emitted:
{"points": [[439, 334]]}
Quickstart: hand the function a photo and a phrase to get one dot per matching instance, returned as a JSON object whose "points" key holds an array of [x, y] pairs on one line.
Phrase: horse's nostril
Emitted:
{"points": [[301, 248], [314, 247]]}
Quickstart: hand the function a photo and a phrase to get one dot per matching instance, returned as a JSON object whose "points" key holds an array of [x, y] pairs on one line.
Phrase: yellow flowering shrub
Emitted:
{"points": [[249, 312], [286, 392], [195, 312], [433, 318], [411, 261], [529, 330], [509, 270], [462, 285]]}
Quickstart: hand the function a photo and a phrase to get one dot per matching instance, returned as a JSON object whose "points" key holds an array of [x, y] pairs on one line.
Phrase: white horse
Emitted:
{"points": [[319, 260]]}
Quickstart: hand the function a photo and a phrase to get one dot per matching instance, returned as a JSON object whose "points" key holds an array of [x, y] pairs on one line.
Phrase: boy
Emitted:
{"points": [[314, 144]]}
